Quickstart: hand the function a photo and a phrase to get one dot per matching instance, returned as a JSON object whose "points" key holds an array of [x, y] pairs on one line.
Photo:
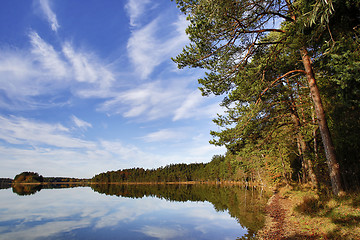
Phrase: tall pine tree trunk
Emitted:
{"points": [[303, 151], [332, 163]]}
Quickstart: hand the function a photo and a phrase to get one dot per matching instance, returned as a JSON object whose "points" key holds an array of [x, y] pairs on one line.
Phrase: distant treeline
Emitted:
{"points": [[64, 180], [220, 168], [33, 177]]}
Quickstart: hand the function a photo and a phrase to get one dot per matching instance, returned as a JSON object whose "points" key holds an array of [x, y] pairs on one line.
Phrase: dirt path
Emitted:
{"points": [[275, 220], [277, 225]]}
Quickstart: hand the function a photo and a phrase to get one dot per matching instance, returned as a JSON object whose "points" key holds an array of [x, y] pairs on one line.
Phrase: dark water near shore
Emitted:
{"points": [[131, 212]]}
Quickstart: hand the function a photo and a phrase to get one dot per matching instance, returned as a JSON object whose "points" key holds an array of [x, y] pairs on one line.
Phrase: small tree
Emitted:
{"points": [[28, 177]]}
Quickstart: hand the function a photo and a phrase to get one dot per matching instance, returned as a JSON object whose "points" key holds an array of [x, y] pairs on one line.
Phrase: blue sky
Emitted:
{"points": [[89, 86]]}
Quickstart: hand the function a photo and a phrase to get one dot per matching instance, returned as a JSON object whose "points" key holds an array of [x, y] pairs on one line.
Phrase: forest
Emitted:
{"points": [[219, 169], [289, 75]]}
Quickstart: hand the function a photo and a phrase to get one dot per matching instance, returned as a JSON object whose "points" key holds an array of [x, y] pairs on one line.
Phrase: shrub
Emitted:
{"points": [[309, 205]]}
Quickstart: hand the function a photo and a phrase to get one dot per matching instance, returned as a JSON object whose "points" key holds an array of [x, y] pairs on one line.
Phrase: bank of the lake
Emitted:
{"points": [[305, 214]]}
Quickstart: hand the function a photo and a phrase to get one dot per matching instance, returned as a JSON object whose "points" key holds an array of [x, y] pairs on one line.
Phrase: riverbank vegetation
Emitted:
{"points": [[302, 213]]}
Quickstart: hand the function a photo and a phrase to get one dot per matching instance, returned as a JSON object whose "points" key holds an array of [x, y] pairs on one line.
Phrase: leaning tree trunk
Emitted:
{"points": [[332, 163]]}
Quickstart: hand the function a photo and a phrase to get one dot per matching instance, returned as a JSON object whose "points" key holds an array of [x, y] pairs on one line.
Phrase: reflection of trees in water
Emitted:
{"points": [[247, 206], [29, 189], [26, 189], [242, 204], [5, 183]]}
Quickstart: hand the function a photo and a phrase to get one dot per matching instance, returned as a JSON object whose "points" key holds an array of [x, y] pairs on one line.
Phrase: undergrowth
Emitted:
{"points": [[323, 215]]}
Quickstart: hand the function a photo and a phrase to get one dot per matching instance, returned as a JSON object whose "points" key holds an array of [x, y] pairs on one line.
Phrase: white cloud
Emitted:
{"points": [[151, 101], [52, 149], [50, 15], [164, 135], [135, 8], [148, 47], [190, 105], [172, 98], [16, 68], [44, 71], [144, 50], [26, 74], [48, 58], [86, 68], [80, 123], [18, 130]]}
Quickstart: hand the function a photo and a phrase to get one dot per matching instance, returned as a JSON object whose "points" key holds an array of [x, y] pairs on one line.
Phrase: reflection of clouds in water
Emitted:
{"points": [[205, 219], [47, 213], [59, 211], [44, 230], [47, 204], [163, 232], [203, 212], [129, 211]]}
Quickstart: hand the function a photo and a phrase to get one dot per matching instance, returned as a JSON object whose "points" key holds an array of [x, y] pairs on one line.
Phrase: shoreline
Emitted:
{"points": [[302, 214]]}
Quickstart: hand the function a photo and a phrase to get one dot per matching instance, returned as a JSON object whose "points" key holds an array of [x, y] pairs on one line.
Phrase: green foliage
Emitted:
{"points": [[269, 126]]}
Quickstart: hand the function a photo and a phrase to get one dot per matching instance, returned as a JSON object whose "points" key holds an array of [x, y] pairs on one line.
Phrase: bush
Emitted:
{"points": [[309, 205]]}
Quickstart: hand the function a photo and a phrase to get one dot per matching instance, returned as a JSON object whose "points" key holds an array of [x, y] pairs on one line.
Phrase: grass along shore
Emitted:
{"points": [[303, 213]]}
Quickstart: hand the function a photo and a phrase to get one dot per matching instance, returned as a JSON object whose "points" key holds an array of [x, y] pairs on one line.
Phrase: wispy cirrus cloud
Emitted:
{"points": [[148, 47], [47, 57], [80, 123], [135, 9], [19, 130], [87, 68], [44, 71], [189, 105], [27, 73], [164, 135], [196, 106], [50, 15], [150, 100]]}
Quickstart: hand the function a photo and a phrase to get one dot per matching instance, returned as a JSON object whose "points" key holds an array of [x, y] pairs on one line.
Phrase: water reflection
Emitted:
{"points": [[132, 212], [26, 189], [244, 205]]}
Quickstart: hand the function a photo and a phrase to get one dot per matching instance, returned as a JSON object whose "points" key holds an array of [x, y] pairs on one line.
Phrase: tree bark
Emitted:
{"points": [[303, 151], [334, 169]]}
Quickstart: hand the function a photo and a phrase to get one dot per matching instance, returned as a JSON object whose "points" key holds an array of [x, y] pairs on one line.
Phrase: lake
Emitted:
{"points": [[131, 212]]}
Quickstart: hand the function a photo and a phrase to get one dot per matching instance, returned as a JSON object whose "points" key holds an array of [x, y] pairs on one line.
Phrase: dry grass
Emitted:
{"points": [[324, 217]]}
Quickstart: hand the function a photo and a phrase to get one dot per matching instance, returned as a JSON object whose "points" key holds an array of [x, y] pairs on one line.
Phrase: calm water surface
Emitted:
{"points": [[131, 212]]}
